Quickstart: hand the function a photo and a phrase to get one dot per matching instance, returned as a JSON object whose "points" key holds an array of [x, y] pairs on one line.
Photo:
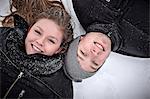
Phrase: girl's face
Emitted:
{"points": [[93, 50], [44, 37]]}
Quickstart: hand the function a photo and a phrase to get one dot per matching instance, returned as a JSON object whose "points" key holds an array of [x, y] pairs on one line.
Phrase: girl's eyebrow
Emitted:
{"points": [[54, 38], [49, 36], [40, 28]]}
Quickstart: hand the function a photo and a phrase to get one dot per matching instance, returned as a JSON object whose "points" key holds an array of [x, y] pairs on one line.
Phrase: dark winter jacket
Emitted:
{"points": [[30, 76], [126, 22]]}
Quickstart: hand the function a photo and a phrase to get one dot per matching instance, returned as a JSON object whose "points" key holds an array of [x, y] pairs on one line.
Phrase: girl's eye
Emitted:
{"points": [[38, 32], [51, 41]]}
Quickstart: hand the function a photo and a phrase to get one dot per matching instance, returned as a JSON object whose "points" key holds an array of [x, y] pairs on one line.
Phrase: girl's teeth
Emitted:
{"points": [[36, 48]]}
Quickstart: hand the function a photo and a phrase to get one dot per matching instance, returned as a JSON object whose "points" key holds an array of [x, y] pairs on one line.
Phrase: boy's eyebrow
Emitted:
{"points": [[95, 63], [93, 68]]}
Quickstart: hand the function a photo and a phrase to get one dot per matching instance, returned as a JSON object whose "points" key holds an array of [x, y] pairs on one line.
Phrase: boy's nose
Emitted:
{"points": [[95, 50]]}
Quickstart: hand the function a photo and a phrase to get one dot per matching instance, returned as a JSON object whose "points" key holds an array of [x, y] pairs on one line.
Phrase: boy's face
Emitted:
{"points": [[93, 50], [44, 37]]}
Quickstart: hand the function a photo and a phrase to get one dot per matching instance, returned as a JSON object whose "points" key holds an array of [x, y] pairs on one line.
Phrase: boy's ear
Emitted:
{"points": [[82, 36]]}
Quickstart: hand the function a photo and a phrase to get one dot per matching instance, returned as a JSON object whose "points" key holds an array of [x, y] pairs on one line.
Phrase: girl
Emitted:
{"points": [[32, 56]]}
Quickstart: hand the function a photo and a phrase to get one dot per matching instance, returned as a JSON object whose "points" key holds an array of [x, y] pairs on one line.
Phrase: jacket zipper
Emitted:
{"points": [[21, 94], [19, 76]]}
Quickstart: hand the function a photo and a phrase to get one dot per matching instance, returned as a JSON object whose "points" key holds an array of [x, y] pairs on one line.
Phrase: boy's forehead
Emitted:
{"points": [[55, 0], [91, 35]]}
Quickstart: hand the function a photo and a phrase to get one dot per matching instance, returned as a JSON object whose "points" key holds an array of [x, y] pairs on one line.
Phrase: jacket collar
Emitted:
{"points": [[35, 64]]}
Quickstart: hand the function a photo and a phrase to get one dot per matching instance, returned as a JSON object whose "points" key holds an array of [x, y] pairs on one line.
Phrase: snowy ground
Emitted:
{"points": [[121, 77]]}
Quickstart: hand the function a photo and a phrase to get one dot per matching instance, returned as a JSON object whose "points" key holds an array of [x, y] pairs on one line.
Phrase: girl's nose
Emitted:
{"points": [[40, 41]]}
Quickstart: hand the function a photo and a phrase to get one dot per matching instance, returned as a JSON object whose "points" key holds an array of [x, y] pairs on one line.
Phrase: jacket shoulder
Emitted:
{"points": [[4, 31], [60, 83]]}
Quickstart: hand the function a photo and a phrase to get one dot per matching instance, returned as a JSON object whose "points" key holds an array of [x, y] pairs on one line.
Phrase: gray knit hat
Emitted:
{"points": [[72, 67]]}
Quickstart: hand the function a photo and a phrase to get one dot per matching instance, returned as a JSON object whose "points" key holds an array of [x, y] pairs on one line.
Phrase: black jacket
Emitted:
{"points": [[30, 76], [125, 21]]}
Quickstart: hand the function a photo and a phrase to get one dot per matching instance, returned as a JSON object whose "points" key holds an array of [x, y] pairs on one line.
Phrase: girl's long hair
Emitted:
{"points": [[33, 10]]}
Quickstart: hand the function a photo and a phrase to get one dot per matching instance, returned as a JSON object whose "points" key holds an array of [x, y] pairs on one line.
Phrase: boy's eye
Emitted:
{"points": [[38, 32], [83, 53]]}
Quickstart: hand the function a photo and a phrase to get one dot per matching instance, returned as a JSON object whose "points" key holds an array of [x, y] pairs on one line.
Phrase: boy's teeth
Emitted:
{"points": [[99, 46]]}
